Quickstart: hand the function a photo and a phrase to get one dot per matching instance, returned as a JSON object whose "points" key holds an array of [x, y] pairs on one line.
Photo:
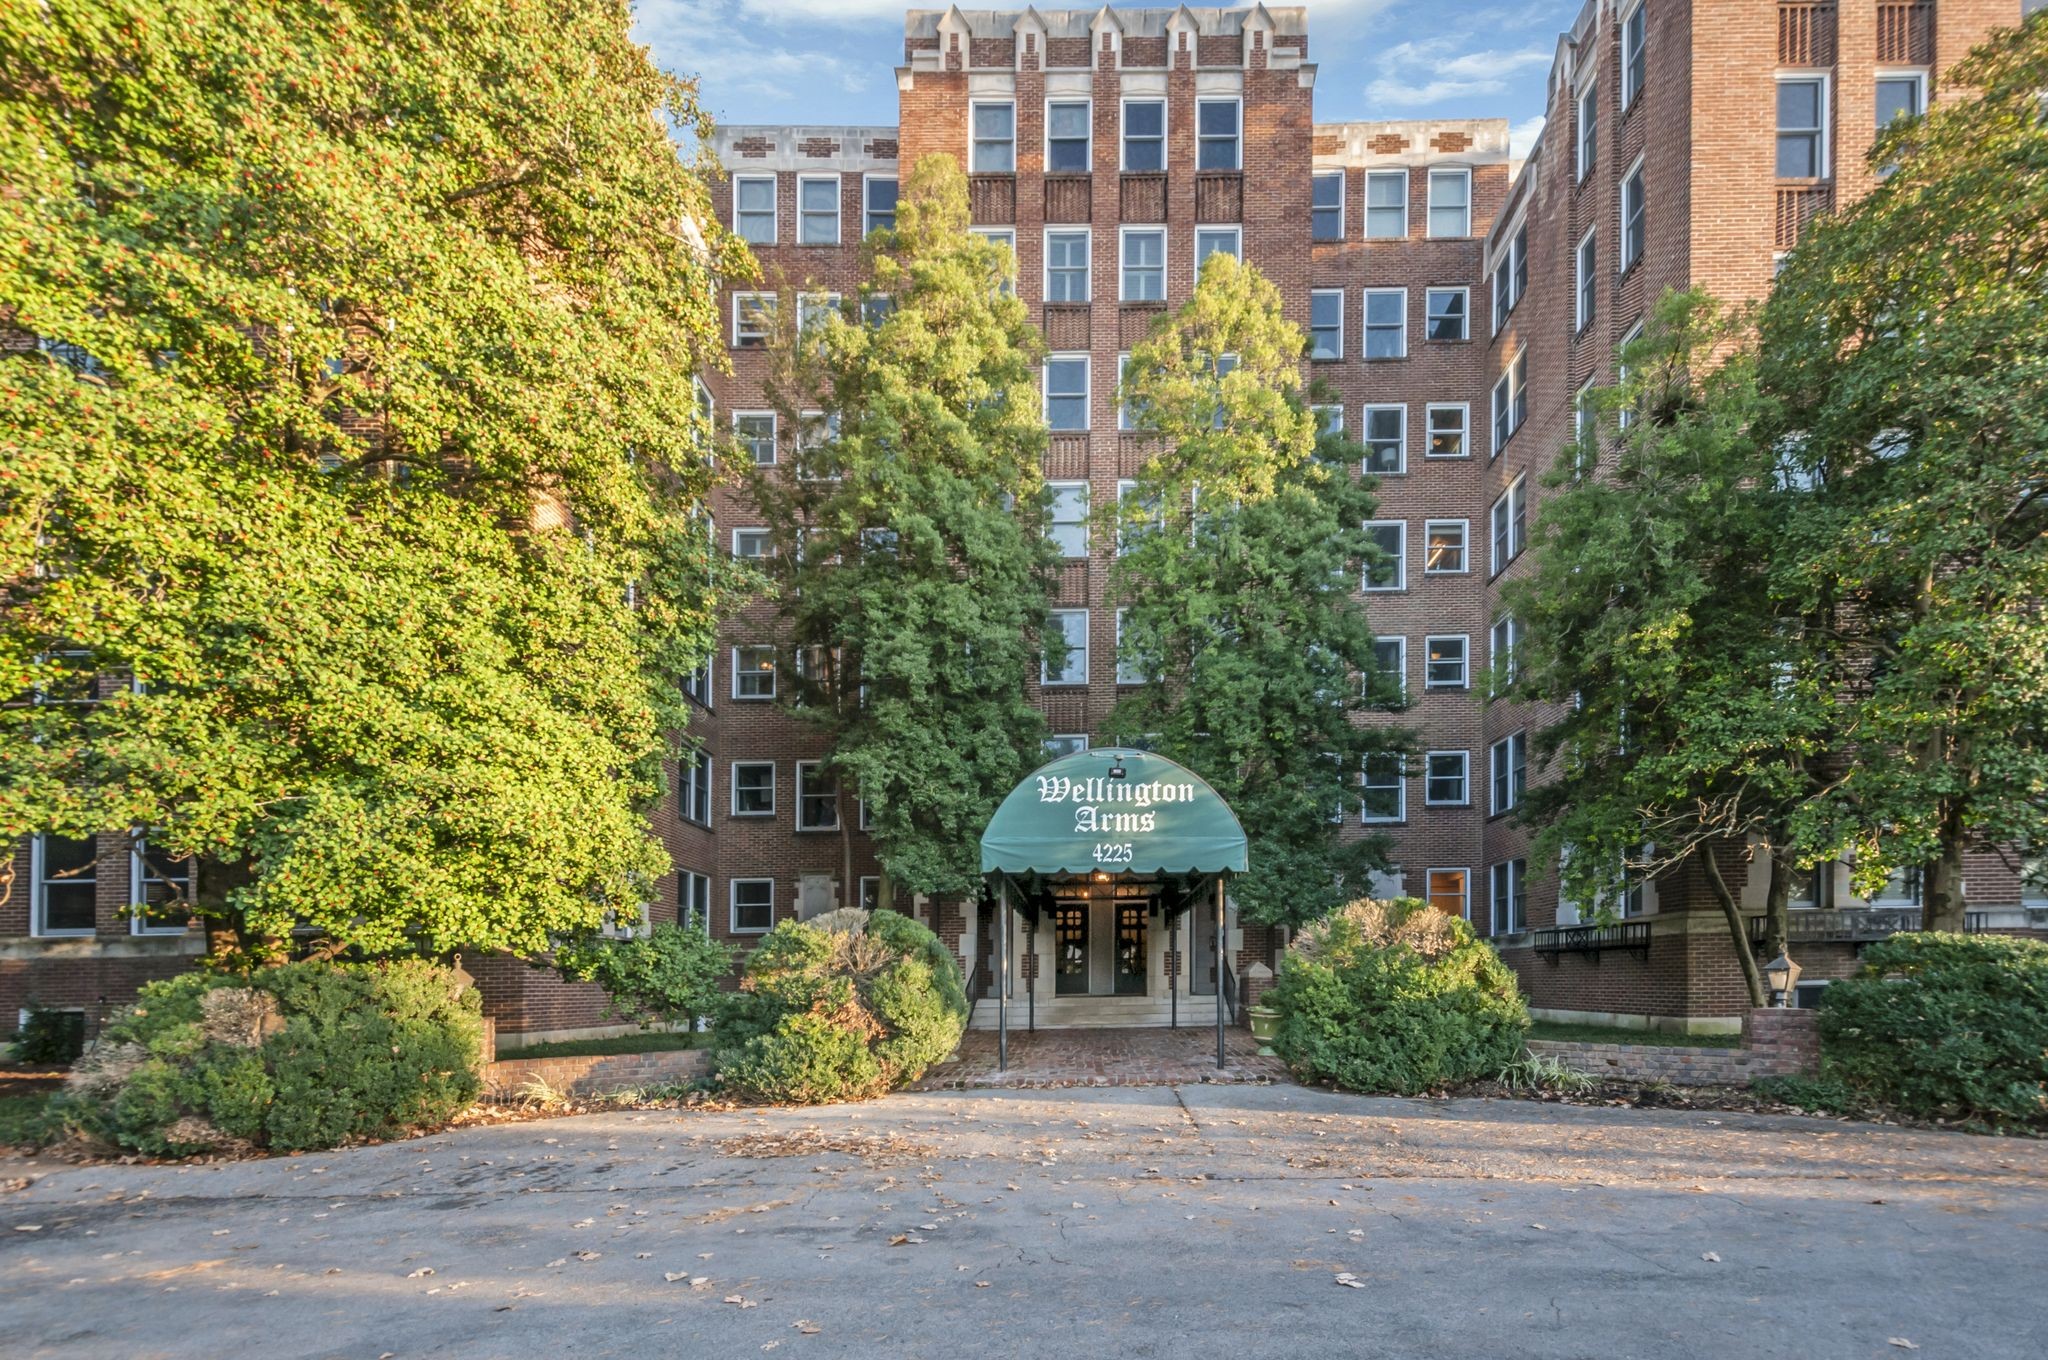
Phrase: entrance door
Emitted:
{"points": [[1130, 949], [1201, 927], [1070, 949]]}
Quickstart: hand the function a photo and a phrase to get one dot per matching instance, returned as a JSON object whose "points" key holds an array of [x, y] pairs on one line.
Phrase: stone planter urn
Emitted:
{"points": [[1265, 1025]]}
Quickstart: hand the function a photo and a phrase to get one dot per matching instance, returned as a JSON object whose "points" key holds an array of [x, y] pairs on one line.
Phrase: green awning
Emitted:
{"points": [[1078, 814]]}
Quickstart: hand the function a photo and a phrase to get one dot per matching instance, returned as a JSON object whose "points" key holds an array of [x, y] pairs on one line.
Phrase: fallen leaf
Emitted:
{"points": [[1710, 1256], [981, 1284], [806, 1326], [1902, 1343], [422, 1271], [673, 1275]]}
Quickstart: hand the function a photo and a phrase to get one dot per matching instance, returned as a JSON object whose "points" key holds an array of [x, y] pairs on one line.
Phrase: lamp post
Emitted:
{"points": [[1783, 975]]}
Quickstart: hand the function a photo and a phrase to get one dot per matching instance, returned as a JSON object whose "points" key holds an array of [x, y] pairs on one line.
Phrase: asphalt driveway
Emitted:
{"points": [[1145, 1221]]}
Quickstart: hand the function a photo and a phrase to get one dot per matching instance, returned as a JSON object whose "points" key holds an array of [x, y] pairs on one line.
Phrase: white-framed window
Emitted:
{"points": [[1625, 416], [753, 672], [755, 431], [1329, 420], [157, 891], [1510, 276], [1510, 912], [1390, 664], [1326, 323], [1585, 430], [817, 798], [1383, 787], [693, 899], [1143, 264], [1136, 515], [1066, 392], [1450, 202], [1505, 633], [1389, 568], [1802, 126], [870, 891], [1126, 419], [1386, 205], [1510, 402], [1326, 206], [1069, 136], [1901, 888], [817, 210], [1632, 222], [693, 787], [753, 787], [1446, 661], [995, 137], [1385, 435], [1900, 94], [1068, 526], [752, 544], [2034, 880], [753, 209], [1144, 149], [699, 684], [1129, 670], [1589, 129], [753, 319], [1450, 891], [1509, 522], [1217, 126], [1449, 425], [1583, 276], [814, 310], [1450, 313], [878, 203], [753, 905], [1072, 625], [1447, 779], [1386, 323], [1211, 240], [1066, 264], [1634, 50], [1007, 238], [1065, 744], [1446, 547], [1509, 770]]}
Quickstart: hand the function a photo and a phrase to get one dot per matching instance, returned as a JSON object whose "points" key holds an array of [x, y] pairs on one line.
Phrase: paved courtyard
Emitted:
{"points": [[1200, 1220], [1106, 1057]]}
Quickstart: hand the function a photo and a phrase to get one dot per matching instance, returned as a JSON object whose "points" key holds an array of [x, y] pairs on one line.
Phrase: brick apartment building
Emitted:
{"points": [[1458, 301]]}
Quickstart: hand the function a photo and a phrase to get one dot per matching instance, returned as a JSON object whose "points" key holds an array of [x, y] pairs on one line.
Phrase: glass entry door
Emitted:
{"points": [[1130, 949], [1070, 948]]}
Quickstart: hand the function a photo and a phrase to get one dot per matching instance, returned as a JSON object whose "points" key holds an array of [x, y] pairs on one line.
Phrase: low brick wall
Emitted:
{"points": [[1775, 1043], [597, 1075]]}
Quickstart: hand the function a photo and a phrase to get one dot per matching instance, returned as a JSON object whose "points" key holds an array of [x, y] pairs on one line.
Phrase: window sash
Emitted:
{"points": [[1448, 779], [1386, 323], [1584, 262], [1632, 218], [1385, 436], [1066, 392], [1326, 206], [1446, 548], [995, 137], [818, 211], [1802, 120], [1066, 266], [1589, 128], [1445, 662], [1326, 323], [817, 808], [1073, 626], [1449, 431], [753, 672], [1216, 134], [1383, 790], [1391, 571], [1634, 40], [1144, 135], [1449, 313], [753, 788], [1450, 203], [753, 209], [755, 431], [1386, 205], [882, 216], [1068, 523], [1069, 136], [1144, 265], [756, 898]]}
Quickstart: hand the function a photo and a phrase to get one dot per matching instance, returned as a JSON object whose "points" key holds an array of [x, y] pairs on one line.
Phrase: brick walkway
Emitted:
{"points": [[1104, 1057]]}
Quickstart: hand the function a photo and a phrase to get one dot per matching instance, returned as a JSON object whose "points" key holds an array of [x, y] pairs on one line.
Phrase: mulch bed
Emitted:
{"points": [[30, 1079]]}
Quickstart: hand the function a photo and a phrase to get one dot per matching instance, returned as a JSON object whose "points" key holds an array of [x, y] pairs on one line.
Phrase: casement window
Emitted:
{"points": [[1510, 912], [1510, 402], [1582, 264], [752, 545], [1390, 665], [1386, 206], [753, 209], [1510, 277], [817, 798], [1066, 265], [1384, 789], [753, 788], [1632, 218], [1506, 632], [1065, 744], [158, 892], [1589, 129], [1446, 661], [1385, 434], [755, 432], [995, 138], [1445, 547], [753, 672], [1634, 44], [1509, 771], [1449, 423], [1007, 238], [697, 685], [753, 319], [693, 900], [693, 788], [1329, 420], [1450, 203], [1069, 137], [1216, 134], [1449, 891], [1068, 525], [1144, 135], [1450, 313], [1144, 264], [1326, 323], [1510, 513], [1066, 392], [753, 905], [1130, 670], [879, 210], [1326, 206], [1900, 94], [1802, 127], [817, 210], [1136, 515], [1386, 323], [1212, 240], [1388, 569], [1448, 779], [1071, 624]]}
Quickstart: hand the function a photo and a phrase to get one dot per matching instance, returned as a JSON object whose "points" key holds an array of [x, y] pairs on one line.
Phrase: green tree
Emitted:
{"points": [[913, 574], [356, 473], [1907, 339], [1242, 548]]}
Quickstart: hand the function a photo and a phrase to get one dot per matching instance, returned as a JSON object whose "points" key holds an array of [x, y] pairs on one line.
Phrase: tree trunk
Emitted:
{"points": [[885, 894], [1778, 905], [1941, 896], [1738, 932]]}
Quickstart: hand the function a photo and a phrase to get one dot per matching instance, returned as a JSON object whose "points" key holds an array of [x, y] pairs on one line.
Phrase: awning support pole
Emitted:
{"points": [[1221, 972], [1003, 973], [1173, 966], [1031, 974]]}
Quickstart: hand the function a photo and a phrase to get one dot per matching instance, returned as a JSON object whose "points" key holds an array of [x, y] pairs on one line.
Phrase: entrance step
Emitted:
{"points": [[1097, 1012]]}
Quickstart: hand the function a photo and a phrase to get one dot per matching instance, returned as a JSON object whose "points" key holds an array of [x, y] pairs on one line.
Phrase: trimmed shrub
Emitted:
{"points": [[1942, 1026], [301, 1056], [670, 975], [842, 1007], [1395, 996], [49, 1036]]}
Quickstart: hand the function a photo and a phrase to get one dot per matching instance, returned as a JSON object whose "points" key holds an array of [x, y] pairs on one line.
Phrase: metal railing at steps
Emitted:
{"points": [[1231, 999]]}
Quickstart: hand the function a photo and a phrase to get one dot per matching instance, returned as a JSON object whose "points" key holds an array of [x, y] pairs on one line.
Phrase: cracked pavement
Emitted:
{"points": [[1136, 1221]]}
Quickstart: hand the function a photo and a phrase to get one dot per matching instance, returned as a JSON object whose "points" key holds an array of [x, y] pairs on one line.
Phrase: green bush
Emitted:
{"points": [[1395, 996], [49, 1036], [842, 1007], [670, 975], [1944, 1027], [305, 1055]]}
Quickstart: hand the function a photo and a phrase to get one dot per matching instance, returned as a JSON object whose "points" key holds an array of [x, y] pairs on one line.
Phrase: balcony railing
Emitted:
{"points": [[1592, 941], [1798, 206], [1848, 925], [1905, 31], [1806, 33]]}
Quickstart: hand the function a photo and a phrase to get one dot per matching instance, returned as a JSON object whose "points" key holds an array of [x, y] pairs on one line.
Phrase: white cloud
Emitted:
{"points": [[829, 11], [1522, 136], [1431, 71], [716, 40]]}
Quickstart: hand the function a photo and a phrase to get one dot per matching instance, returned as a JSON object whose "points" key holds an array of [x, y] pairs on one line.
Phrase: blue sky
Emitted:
{"points": [[833, 61]]}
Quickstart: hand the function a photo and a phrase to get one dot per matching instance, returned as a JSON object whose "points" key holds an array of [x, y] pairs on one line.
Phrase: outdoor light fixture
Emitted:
{"points": [[1783, 975], [1116, 769]]}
